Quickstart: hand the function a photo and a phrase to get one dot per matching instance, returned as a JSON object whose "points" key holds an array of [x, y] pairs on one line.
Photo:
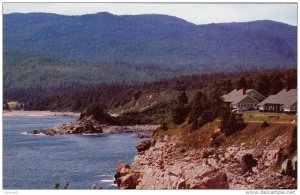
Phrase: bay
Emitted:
{"points": [[38, 161]]}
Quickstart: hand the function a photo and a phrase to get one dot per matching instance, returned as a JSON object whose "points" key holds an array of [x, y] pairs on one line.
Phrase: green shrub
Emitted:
{"points": [[132, 118], [231, 123], [181, 109], [217, 141], [96, 110], [265, 124], [164, 126], [179, 114]]}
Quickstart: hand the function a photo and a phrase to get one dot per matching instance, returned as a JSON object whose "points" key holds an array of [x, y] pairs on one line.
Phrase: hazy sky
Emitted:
{"points": [[196, 13]]}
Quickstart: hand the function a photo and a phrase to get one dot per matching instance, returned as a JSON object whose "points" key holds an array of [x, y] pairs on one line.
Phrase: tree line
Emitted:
{"points": [[113, 95]]}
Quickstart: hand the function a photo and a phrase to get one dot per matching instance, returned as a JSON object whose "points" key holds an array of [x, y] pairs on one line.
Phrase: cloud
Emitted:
{"points": [[198, 13]]}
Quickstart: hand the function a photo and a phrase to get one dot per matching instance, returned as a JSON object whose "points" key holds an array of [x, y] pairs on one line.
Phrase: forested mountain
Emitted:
{"points": [[23, 70], [50, 50], [154, 39]]}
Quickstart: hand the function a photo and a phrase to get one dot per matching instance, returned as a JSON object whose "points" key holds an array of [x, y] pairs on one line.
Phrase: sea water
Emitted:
{"points": [[39, 161]]}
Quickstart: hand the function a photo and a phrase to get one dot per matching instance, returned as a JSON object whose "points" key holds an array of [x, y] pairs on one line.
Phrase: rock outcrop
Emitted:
{"points": [[125, 177], [164, 165], [143, 145], [88, 125], [141, 135]]}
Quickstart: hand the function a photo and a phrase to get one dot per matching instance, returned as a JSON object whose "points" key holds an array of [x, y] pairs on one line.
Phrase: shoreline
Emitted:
{"points": [[38, 113]]}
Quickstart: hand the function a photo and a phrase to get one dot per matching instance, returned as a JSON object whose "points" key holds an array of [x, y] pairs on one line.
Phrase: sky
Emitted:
{"points": [[197, 13]]}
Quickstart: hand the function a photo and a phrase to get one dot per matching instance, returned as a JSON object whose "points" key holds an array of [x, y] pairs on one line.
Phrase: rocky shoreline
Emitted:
{"points": [[89, 126], [161, 164]]}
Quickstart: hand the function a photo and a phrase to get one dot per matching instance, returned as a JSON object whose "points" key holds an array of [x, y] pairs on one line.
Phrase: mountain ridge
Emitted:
{"points": [[150, 38], [133, 15], [136, 48]]}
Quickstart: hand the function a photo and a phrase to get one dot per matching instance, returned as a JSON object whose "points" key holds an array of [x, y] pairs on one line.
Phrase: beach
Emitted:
{"points": [[38, 113]]}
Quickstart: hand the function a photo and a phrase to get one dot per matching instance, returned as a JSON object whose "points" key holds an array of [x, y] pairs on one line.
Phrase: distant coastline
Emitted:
{"points": [[38, 113]]}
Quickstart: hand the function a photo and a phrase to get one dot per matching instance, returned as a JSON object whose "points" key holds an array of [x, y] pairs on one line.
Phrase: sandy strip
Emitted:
{"points": [[38, 113]]}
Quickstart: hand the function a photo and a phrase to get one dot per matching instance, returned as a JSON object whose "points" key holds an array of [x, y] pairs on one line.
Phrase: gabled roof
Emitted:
{"points": [[284, 97], [262, 97], [233, 95], [241, 98], [236, 96]]}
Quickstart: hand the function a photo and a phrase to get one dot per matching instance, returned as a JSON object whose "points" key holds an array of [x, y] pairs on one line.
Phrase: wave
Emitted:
{"points": [[105, 175], [27, 133], [92, 134], [107, 180]]}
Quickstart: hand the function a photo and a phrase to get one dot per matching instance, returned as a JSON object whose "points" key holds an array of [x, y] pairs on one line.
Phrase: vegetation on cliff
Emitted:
{"points": [[98, 112]]}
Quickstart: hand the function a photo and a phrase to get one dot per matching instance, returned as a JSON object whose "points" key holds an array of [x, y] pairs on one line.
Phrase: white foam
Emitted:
{"points": [[104, 175], [41, 134], [91, 134], [107, 180], [27, 133]]}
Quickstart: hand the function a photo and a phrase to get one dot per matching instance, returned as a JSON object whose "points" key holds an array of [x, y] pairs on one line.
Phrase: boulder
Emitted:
{"points": [[120, 166], [213, 180], [121, 170], [129, 181], [143, 145], [248, 162], [34, 132], [182, 184], [78, 130], [287, 168], [50, 132]]}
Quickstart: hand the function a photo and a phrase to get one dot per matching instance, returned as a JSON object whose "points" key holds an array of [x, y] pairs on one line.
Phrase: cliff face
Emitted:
{"points": [[255, 164]]}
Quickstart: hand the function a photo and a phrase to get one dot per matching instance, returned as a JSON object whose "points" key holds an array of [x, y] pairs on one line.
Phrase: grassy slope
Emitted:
{"points": [[268, 116], [252, 136]]}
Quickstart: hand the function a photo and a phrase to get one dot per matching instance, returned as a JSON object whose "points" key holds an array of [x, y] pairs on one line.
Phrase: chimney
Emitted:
{"points": [[244, 91]]}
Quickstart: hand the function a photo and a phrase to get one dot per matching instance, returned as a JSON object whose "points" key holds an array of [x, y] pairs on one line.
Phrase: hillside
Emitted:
{"points": [[23, 70], [154, 100], [153, 39]]}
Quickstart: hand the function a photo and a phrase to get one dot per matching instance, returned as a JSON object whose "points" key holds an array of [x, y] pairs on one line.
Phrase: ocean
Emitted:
{"points": [[39, 161]]}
